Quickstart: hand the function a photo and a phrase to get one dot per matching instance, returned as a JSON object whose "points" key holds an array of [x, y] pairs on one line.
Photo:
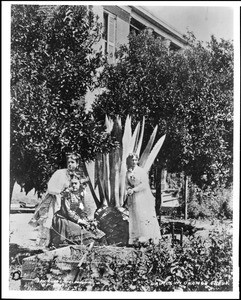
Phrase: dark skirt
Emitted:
{"points": [[64, 231]]}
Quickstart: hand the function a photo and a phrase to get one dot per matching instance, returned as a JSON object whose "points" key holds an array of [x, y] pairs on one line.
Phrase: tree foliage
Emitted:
{"points": [[52, 65], [188, 93]]}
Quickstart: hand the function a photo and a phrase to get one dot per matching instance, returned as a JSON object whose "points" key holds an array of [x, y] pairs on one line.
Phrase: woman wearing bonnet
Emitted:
{"points": [[143, 223], [45, 211]]}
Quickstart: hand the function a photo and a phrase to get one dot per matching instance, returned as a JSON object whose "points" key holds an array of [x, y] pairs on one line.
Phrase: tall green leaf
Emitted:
{"points": [[138, 148], [89, 170], [147, 150], [115, 164], [135, 136], [99, 179], [153, 154], [106, 177], [108, 124], [125, 149], [110, 169]]}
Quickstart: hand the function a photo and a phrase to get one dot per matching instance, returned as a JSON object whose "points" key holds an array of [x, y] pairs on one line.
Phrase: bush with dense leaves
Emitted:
{"points": [[210, 203], [201, 264]]}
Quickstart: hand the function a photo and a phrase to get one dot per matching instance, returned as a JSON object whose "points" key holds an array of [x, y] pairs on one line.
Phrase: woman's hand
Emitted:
{"points": [[130, 192], [82, 222], [84, 180]]}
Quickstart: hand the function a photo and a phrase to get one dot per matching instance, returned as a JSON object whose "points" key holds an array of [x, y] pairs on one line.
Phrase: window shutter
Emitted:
{"points": [[111, 38], [112, 30]]}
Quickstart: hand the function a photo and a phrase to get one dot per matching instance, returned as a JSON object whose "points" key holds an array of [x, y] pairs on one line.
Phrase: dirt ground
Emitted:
{"points": [[21, 233], [24, 235]]}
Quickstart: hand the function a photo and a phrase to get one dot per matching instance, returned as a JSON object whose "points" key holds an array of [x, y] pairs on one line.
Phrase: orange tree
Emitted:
{"points": [[188, 93], [52, 65]]}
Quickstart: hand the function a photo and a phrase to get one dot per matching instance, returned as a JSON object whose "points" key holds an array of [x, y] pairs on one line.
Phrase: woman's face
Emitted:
{"points": [[72, 164], [133, 161], [75, 184]]}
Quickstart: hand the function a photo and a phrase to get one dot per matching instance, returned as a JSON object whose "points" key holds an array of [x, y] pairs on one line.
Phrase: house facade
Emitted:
{"points": [[119, 21]]}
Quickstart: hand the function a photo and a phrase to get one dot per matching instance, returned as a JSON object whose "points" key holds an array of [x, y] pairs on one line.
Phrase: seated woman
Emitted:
{"points": [[70, 224], [59, 181]]}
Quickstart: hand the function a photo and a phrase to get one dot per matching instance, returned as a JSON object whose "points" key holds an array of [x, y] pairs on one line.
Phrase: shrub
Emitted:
{"points": [[208, 203], [200, 265]]}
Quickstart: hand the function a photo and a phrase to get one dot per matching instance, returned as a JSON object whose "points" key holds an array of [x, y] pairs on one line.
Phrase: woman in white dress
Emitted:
{"points": [[45, 211], [143, 223]]}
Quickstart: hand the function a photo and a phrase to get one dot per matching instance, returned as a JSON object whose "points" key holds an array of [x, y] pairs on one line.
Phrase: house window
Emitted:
{"points": [[136, 27], [134, 30], [109, 35]]}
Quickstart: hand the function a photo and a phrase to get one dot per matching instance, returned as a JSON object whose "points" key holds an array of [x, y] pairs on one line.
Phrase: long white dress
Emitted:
{"points": [[143, 223]]}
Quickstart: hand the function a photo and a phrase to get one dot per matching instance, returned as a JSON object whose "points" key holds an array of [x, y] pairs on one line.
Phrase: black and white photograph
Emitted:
{"points": [[121, 149]]}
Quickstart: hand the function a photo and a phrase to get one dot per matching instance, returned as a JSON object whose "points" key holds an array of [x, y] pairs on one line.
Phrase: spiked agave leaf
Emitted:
{"points": [[134, 138], [108, 124], [125, 150], [153, 154], [106, 177], [89, 169], [99, 172], [147, 150], [111, 169], [115, 164], [138, 147]]}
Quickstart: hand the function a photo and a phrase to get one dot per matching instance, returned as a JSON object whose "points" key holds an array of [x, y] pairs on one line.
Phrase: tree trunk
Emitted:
{"points": [[185, 196], [12, 182], [158, 190]]}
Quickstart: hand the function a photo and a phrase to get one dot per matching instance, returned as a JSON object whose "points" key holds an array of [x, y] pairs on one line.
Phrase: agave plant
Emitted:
{"points": [[107, 172]]}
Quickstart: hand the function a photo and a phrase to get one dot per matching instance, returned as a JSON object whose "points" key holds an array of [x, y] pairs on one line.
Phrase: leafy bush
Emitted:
{"points": [[210, 203], [200, 265]]}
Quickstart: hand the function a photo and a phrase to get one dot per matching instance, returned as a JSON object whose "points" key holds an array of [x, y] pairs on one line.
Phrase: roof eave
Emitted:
{"points": [[160, 24]]}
